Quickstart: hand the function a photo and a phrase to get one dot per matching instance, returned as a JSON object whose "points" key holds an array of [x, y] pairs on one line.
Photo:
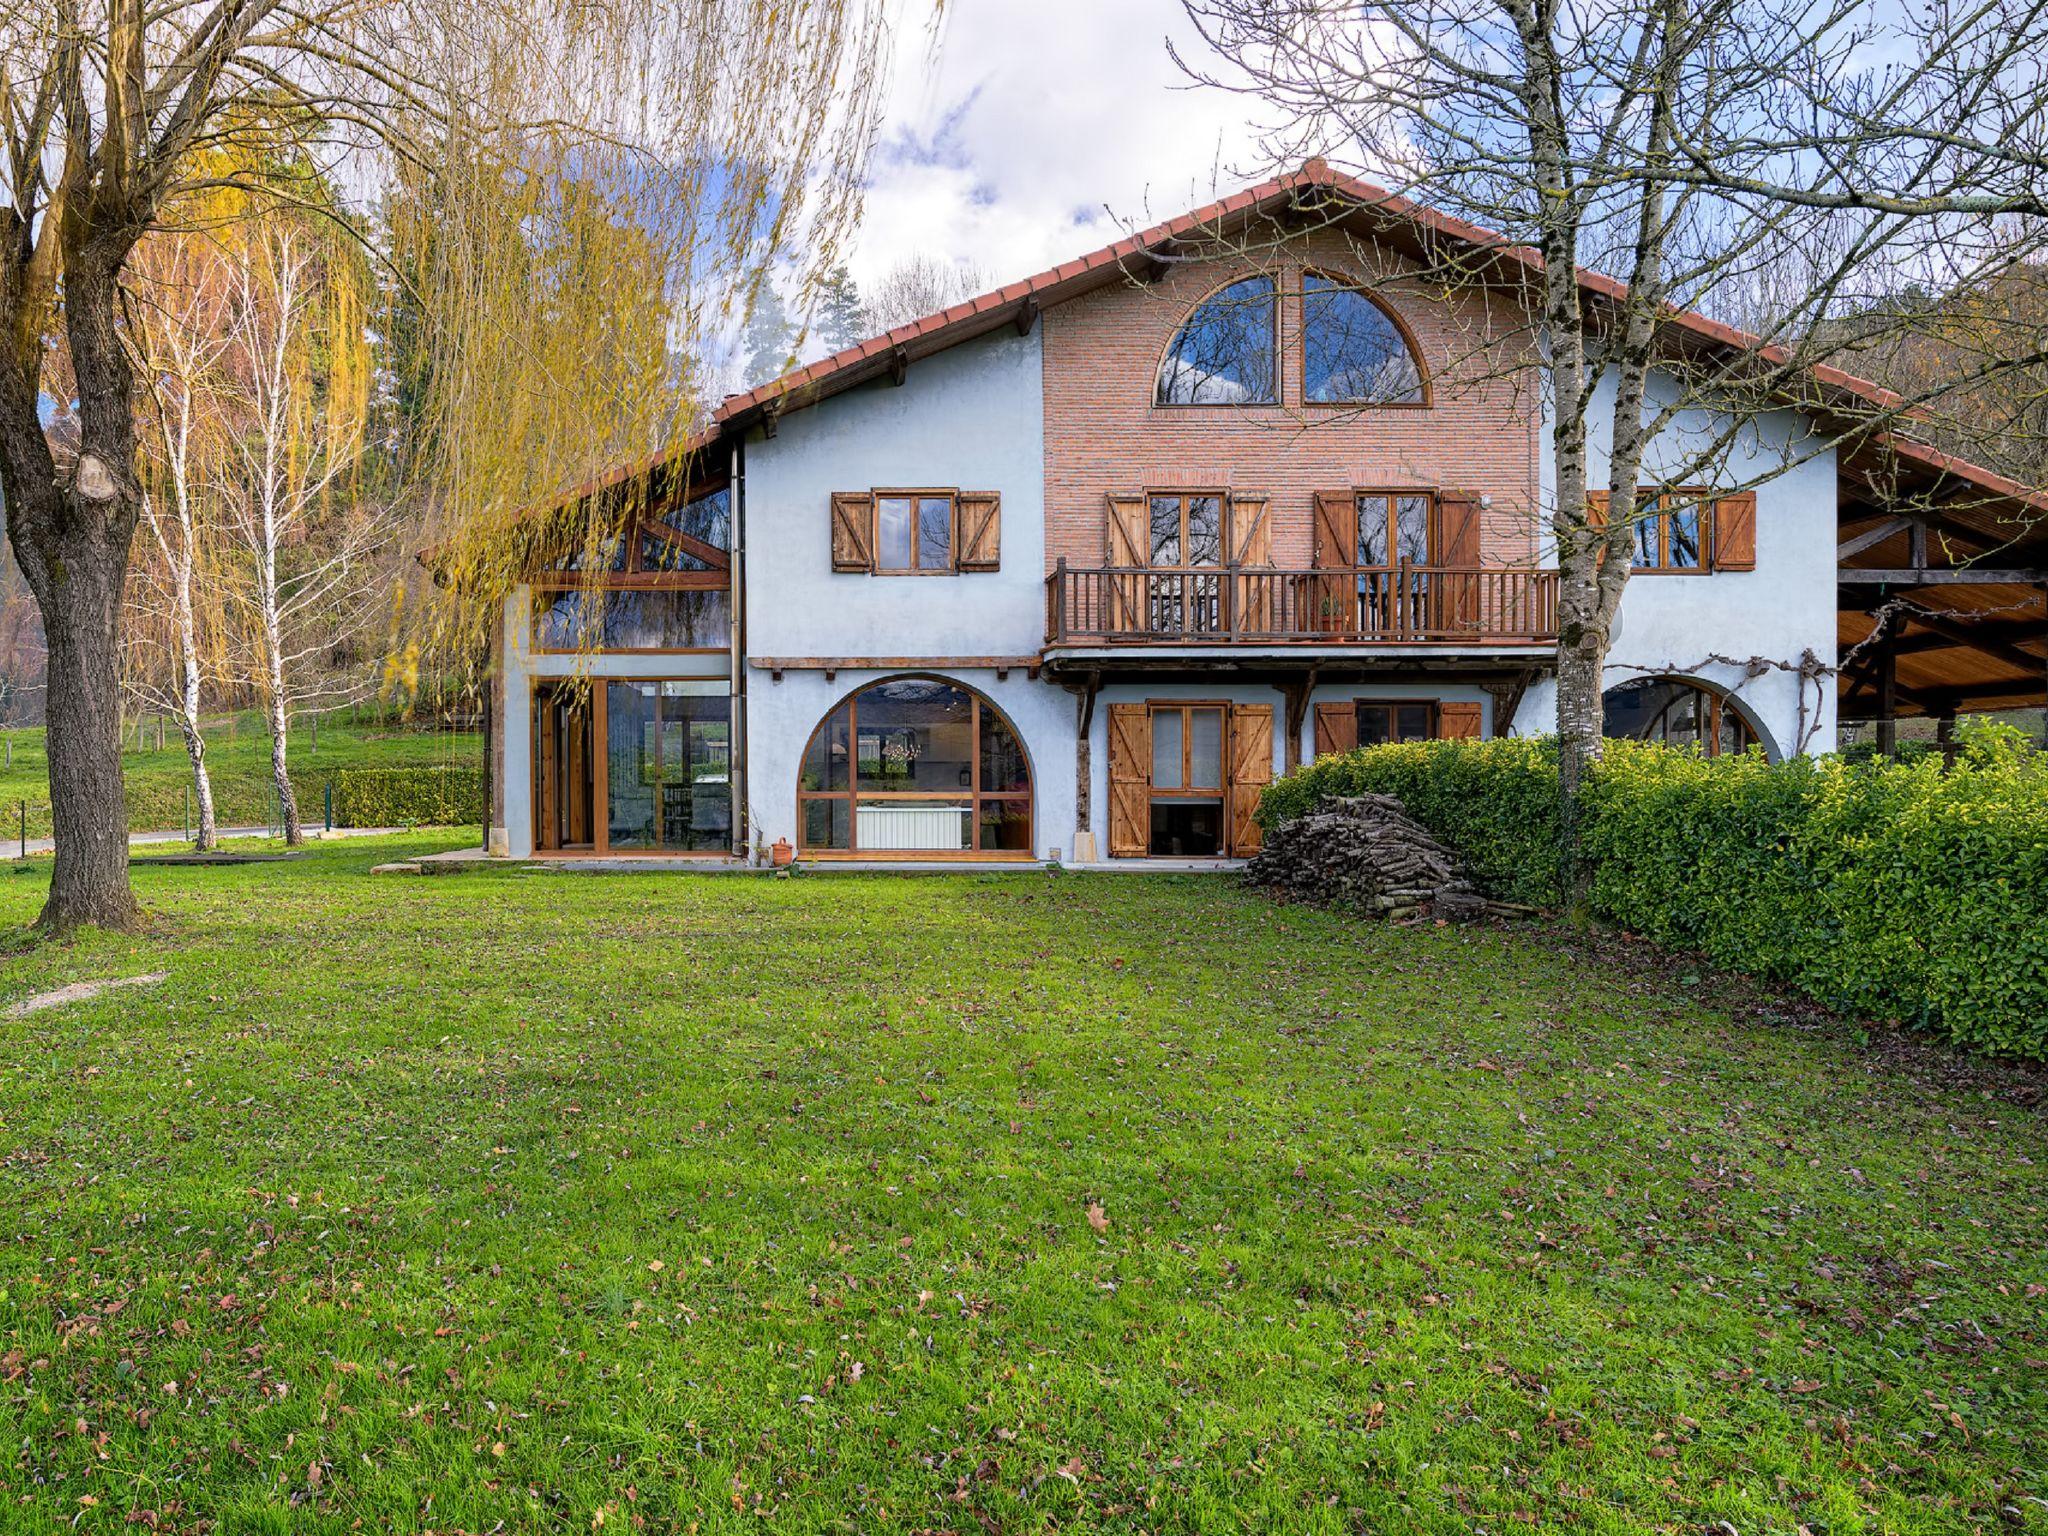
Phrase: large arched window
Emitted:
{"points": [[1352, 351], [1223, 353], [1677, 712], [914, 765]]}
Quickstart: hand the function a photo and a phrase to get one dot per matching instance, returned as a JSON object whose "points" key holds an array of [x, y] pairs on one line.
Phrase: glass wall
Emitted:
{"points": [[914, 766], [668, 768], [632, 619]]}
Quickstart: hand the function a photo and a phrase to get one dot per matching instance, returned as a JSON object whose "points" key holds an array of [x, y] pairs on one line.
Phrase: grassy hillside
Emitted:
{"points": [[238, 757]]}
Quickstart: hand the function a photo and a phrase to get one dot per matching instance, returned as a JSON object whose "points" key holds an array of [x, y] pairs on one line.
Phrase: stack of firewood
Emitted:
{"points": [[1368, 853]]}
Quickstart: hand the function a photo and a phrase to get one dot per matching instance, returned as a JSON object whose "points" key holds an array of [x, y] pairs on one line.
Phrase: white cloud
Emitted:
{"points": [[1044, 129]]}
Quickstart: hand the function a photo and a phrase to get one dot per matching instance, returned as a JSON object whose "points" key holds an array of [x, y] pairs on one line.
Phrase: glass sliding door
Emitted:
{"points": [[668, 768]]}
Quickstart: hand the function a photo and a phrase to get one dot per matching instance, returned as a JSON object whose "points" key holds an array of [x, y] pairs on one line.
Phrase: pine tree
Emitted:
{"points": [[842, 318], [770, 338]]}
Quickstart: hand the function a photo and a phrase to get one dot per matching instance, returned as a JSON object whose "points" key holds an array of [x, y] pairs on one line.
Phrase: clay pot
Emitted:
{"points": [[781, 853]]}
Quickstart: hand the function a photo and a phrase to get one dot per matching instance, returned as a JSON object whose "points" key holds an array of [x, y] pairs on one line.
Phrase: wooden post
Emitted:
{"points": [[1887, 699]]}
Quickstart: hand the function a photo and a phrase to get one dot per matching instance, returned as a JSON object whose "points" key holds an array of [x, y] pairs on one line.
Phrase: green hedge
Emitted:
{"points": [[1493, 801], [1912, 891], [404, 797]]}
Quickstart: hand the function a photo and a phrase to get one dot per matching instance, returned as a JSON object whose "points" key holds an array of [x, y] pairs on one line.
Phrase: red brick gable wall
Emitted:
{"points": [[1103, 434]]}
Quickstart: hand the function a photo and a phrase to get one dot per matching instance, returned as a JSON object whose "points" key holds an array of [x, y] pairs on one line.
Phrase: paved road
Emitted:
{"points": [[12, 848]]}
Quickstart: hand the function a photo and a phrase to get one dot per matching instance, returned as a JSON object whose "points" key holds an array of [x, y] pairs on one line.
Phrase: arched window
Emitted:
{"points": [[914, 765], [1677, 712], [1352, 352], [1223, 352]]}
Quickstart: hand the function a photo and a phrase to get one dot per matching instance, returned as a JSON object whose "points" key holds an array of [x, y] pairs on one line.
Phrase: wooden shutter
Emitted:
{"points": [[1735, 532], [1455, 593], [1596, 520], [1251, 770], [1458, 722], [1130, 780], [1334, 599], [1251, 539], [1129, 545], [853, 531], [1336, 728], [980, 538]]}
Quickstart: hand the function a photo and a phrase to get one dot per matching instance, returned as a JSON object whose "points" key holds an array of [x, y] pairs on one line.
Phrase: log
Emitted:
{"points": [[1366, 853]]}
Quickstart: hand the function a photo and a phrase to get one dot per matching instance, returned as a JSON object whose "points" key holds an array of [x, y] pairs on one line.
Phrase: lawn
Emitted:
{"points": [[522, 1201], [238, 760]]}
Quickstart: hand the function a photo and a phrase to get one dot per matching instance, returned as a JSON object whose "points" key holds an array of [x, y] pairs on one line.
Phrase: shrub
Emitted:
{"points": [[1495, 802], [1902, 890], [394, 797]]}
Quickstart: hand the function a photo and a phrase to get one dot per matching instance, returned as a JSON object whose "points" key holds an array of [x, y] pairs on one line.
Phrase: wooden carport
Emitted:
{"points": [[1942, 593]]}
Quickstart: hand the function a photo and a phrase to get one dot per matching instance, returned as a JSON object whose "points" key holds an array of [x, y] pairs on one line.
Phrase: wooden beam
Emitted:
{"points": [[890, 663], [1965, 576], [1849, 548], [1027, 314], [899, 366]]}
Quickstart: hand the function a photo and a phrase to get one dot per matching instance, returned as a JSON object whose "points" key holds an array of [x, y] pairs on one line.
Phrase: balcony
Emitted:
{"points": [[1400, 605]]}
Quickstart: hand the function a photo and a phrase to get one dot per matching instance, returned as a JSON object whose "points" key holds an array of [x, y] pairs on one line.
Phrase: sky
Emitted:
{"points": [[1044, 129]]}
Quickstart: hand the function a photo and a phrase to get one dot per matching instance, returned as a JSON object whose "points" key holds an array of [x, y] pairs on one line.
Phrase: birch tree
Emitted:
{"points": [[179, 325], [1826, 159], [747, 121]]}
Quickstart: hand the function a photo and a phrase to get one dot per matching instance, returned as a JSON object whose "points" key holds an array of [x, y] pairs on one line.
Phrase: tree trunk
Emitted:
{"points": [[77, 583], [207, 836], [280, 773]]}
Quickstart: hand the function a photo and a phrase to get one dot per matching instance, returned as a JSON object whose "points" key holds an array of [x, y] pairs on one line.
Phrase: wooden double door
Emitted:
{"points": [[1185, 777]]}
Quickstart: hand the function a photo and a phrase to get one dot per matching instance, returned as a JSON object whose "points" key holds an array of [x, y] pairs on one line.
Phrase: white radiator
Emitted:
{"points": [[912, 829]]}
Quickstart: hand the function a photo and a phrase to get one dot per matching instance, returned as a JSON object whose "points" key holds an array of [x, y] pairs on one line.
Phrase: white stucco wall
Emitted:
{"points": [[1777, 612], [971, 418]]}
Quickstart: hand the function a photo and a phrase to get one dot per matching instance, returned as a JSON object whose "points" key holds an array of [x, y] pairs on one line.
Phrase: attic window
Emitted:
{"points": [[1223, 353], [1353, 352]]}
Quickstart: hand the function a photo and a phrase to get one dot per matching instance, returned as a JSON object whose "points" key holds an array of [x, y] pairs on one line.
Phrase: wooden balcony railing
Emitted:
{"points": [[1359, 605]]}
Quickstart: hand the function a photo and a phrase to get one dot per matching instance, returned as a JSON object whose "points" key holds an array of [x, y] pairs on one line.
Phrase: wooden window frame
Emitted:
{"points": [[1698, 497], [1716, 704], [1279, 346], [952, 496], [1388, 494], [1364, 291], [1154, 708], [597, 713], [852, 795], [1223, 529], [1433, 705]]}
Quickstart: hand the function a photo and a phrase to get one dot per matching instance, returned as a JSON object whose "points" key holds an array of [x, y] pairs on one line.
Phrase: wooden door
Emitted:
{"points": [[547, 770], [1130, 780], [1251, 770]]}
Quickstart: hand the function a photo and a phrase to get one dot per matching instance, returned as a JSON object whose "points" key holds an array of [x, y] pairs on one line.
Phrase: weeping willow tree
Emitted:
{"points": [[735, 132]]}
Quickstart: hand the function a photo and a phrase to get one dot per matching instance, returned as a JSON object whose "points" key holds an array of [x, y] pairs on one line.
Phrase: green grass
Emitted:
{"points": [[238, 761], [536, 1201]]}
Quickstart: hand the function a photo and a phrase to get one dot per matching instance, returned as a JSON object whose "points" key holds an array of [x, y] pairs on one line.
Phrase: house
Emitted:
{"points": [[1077, 567]]}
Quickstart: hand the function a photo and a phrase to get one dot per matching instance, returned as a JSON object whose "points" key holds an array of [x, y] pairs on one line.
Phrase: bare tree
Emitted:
{"points": [[747, 114], [179, 327], [1634, 159], [922, 285], [313, 569]]}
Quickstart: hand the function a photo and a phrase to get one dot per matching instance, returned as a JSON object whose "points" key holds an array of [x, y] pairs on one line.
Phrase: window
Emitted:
{"points": [[1187, 780], [1676, 712], [1671, 533], [913, 532], [1394, 528], [632, 618], [668, 768], [918, 766], [1352, 352], [1223, 353], [1185, 537], [1410, 720], [693, 537]]}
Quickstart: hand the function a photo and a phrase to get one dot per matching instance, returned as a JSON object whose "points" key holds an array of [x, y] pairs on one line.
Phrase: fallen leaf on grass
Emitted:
{"points": [[1098, 1218]]}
